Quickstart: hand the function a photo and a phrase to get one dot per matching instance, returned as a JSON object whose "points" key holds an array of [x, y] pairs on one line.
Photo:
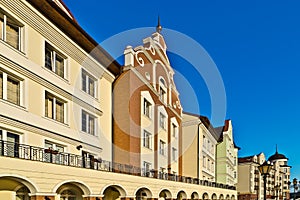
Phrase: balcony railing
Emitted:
{"points": [[21, 151]]}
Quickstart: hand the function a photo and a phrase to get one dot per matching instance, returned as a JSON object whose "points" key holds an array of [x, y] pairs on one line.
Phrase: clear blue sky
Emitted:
{"points": [[255, 45]]}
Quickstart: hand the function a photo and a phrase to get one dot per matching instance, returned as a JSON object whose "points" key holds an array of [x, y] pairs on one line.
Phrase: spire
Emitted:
{"points": [[158, 27], [276, 149]]}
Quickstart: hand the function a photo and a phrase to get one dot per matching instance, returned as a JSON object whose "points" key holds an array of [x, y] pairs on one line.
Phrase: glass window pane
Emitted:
{"points": [[83, 82], [13, 91], [91, 87], [12, 34], [83, 122], [1, 26], [48, 58], [91, 125], [49, 106], [59, 66], [59, 111]]}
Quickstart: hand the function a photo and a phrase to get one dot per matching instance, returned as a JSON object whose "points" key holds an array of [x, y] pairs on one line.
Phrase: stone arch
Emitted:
{"points": [[221, 197], [195, 195], [73, 189], [113, 192], [232, 197], [18, 182], [227, 197], [143, 193], [181, 195], [82, 186], [165, 194], [214, 196], [205, 196]]}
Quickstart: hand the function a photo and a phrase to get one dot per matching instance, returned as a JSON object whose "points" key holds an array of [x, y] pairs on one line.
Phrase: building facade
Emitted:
{"points": [[60, 138], [227, 155], [250, 184]]}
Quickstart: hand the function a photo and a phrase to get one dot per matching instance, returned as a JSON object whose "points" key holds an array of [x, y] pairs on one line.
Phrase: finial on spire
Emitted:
{"points": [[276, 149], [158, 27]]}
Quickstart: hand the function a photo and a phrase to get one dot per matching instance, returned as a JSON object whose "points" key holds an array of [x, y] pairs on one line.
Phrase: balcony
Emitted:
{"points": [[26, 152]]}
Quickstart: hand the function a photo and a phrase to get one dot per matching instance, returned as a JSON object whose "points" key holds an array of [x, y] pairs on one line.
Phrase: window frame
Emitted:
{"points": [[162, 121], [10, 21], [85, 87], [54, 101], [4, 88], [162, 147], [147, 106], [174, 153], [54, 54], [147, 139], [88, 117]]}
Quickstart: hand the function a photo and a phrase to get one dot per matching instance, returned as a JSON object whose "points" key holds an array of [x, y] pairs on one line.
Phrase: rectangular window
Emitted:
{"points": [[147, 108], [10, 30], [54, 107], [88, 123], [174, 130], [162, 146], [174, 154], [12, 145], [147, 139], [147, 167], [10, 88], [54, 60], [162, 94], [162, 121], [88, 83]]}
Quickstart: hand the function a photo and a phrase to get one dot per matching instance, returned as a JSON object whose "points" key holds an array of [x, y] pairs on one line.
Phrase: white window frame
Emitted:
{"points": [[147, 165], [147, 139], [54, 54], [162, 147], [56, 99], [162, 90], [147, 108], [4, 88], [174, 154], [174, 130], [86, 87], [16, 23], [162, 121], [87, 121]]}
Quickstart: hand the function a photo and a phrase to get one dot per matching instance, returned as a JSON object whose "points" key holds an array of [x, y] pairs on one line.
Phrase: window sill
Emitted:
{"points": [[14, 105], [85, 133], [57, 122], [53, 73], [20, 52], [87, 94], [148, 148]]}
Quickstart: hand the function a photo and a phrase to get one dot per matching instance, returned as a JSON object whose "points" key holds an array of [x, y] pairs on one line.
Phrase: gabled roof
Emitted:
{"points": [[55, 12]]}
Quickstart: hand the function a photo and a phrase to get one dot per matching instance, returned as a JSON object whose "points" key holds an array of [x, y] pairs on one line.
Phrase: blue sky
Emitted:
{"points": [[255, 46]]}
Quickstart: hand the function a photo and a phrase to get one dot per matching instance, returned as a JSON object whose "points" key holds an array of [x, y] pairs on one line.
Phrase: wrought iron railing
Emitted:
{"points": [[22, 151]]}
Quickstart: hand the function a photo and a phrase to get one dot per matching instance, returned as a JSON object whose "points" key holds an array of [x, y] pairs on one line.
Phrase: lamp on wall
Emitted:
{"points": [[264, 170], [79, 147]]}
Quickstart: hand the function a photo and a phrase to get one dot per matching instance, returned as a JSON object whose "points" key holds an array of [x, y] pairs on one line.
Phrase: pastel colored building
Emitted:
{"points": [[250, 183]]}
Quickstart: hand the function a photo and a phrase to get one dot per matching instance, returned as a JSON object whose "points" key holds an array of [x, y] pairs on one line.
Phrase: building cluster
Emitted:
{"points": [[250, 184], [77, 125]]}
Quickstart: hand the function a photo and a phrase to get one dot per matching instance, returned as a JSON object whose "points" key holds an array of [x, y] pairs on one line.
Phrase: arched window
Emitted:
{"points": [[22, 193]]}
